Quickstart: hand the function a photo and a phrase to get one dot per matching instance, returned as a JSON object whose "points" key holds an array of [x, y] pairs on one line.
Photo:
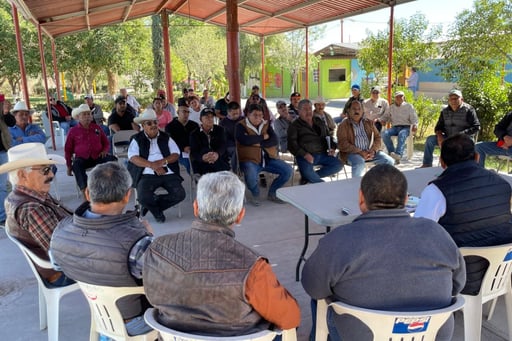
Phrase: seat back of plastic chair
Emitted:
{"points": [[168, 334], [121, 141], [496, 281], [403, 326]]}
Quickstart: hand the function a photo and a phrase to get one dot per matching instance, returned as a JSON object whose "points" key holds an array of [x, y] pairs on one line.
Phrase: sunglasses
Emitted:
{"points": [[43, 170], [151, 123]]}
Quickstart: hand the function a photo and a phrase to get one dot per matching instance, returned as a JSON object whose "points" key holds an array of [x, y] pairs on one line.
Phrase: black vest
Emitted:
{"points": [[144, 142], [477, 205]]}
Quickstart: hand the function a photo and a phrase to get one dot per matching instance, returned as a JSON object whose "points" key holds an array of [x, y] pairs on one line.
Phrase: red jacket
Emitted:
{"points": [[85, 143]]}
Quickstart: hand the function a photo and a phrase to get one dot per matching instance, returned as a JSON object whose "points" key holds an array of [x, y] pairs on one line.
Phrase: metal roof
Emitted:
{"points": [[259, 17]]}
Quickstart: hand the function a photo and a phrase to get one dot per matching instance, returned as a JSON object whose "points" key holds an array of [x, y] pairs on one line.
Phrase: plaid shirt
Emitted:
{"points": [[40, 217]]}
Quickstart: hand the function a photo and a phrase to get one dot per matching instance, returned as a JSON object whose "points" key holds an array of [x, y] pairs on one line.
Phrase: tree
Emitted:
{"points": [[413, 46], [158, 55], [250, 56]]}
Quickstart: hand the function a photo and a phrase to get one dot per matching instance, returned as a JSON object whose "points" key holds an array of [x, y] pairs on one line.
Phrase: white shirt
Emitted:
{"points": [[432, 204], [154, 152], [133, 102], [195, 115]]}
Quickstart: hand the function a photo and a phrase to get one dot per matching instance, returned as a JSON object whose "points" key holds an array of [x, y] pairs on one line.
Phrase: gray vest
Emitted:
{"points": [[196, 280]]}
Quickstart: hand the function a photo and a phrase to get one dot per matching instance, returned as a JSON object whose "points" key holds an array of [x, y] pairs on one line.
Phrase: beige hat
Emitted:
{"points": [[21, 106], [146, 115], [319, 99], [77, 111], [27, 155]]}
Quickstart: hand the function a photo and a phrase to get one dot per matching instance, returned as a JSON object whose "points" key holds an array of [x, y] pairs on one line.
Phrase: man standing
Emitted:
{"points": [[375, 106], [470, 202], [86, 146], [130, 100], [153, 163], [257, 152], [179, 129], [103, 245], [97, 113], [121, 117], [234, 292], [32, 213], [24, 131], [309, 141], [384, 259], [208, 146], [503, 131], [412, 81], [457, 117], [359, 141], [403, 120]]}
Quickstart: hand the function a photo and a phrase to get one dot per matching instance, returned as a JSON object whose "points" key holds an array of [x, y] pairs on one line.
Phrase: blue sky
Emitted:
{"points": [[355, 28]]}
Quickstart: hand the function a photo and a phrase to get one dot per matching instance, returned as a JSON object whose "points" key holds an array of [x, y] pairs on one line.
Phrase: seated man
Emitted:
{"points": [[24, 131], [166, 105], [375, 106], [281, 125], [457, 117], [208, 146], [230, 288], [97, 113], [470, 202], [257, 152], [311, 144], [384, 260], [62, 112], [122, 116], [86, 146], [403, 120], [319, 112], [153, 163], [221, 106], [88, 248], [228, 123], [359, 141], [179, 129], [503, 131], [32, 213]]}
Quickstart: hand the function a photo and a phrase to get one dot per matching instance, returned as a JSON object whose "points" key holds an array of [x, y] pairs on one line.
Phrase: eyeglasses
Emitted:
{"points": [[151, 123], [43, 170], [184, 111]]}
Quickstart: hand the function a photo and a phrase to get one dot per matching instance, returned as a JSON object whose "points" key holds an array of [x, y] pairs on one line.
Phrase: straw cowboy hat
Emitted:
{"points": [[21, 106], [77, 111], [147, 115], [29, 154]]}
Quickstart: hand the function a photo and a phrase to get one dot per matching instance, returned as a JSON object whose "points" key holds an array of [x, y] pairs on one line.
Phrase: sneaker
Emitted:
{"points": [[274, 198], [424, 166], [396, 157], [160, 218], [303, 181]]}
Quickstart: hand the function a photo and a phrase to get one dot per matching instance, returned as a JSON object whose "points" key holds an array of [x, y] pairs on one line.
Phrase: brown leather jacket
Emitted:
{"points": [[346, 138]]}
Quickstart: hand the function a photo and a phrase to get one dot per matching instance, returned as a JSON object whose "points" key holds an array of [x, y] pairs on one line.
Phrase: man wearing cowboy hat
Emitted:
{"points": [[86, 146], [153, 163], [24, 131], [6, 120], [32, 213]]}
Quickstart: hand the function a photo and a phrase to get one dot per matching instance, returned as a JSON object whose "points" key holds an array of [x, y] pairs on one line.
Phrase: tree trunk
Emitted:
{"points": [[158, 55], [112, 83]]}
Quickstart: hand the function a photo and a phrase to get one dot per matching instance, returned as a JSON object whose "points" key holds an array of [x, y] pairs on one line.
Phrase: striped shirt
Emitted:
{"points": [[361, 138]]}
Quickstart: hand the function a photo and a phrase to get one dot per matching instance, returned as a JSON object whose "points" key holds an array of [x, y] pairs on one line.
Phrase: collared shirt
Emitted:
{"points": [[163, 119], [38, 219], [361, 140], [403, 115], [85, 143], [375, 109], [154, 152], [432, 204], [32, 133], [133, 102]]}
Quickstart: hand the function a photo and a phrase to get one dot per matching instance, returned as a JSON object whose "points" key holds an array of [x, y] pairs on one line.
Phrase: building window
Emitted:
{"points": [[337, 75]]}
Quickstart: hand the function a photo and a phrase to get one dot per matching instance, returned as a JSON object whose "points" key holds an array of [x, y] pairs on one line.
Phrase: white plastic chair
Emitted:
{"points": [[121, 141], [60, 136], [390, 325], [49, 298], [105, 316], [495, 283], [168, 334]]}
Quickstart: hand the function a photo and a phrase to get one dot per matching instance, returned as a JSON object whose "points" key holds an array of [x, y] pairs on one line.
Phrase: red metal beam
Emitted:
{"points": [[167, 56], [263, 82], [55, 69], [233, 53], [307, 63], [45, 80], [390, 52], [21, 58]]}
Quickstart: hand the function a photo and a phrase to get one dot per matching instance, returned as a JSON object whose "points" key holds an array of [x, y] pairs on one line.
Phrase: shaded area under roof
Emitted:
{"points": [[258, 17]]}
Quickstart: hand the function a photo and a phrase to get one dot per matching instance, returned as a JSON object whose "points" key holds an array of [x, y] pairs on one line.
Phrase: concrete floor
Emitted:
{"points": [[276, 231]]}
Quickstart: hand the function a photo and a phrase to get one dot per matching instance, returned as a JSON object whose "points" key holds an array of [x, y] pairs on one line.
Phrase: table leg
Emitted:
{"points": [[304, 249]]}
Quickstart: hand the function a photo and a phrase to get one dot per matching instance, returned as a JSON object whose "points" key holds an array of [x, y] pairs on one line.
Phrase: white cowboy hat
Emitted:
{"points": [[77, 111], [319, 99], [27, 155], [21, 106], [147, 115]]}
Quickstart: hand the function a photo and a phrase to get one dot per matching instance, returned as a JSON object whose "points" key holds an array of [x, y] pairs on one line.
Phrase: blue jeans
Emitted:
{"points": [[333, 332], [490, 148], [358, 163], [329, 165], [428, 154], [402, 132], [68, 125], [3, 186], [275, 166], [184, 161]]}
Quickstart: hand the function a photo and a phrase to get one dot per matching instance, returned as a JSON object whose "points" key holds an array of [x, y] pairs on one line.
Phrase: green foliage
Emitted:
{"points": [[250, 56], [428, 111], [158, 54]]}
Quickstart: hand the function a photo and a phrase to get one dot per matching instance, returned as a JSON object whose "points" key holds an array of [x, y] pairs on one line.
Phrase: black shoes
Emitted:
{"points": [[160, 218]]}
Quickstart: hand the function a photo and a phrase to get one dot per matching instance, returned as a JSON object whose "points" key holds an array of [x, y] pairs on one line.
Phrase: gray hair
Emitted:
{"points": [[108, 183], [303, 102], [13, 176], [220, 198]]}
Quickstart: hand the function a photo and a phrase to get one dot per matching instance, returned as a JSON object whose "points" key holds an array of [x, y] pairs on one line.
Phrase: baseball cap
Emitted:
{"points": [[279, 103], [455, 92], [89, 96], [120, 99], [355, 86], [161, 93], [399, 93], [254, 87], [206, 112], [376, 88], [295, 94]]}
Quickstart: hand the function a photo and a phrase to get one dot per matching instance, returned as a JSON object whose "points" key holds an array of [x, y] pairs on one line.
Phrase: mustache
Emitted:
{"points": [[49, 180]]}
